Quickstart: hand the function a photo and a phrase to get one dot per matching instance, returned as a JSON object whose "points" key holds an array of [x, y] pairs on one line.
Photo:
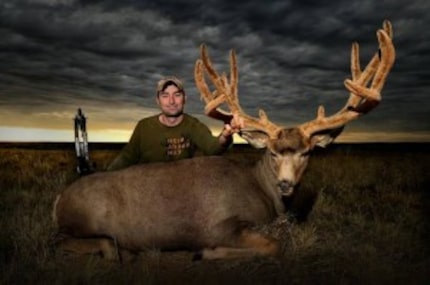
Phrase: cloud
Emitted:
{"points": [[293, 56]]}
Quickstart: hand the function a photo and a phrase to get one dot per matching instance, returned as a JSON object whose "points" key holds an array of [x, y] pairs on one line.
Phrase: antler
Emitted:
{"points": [[362, 99], [227, 92]]}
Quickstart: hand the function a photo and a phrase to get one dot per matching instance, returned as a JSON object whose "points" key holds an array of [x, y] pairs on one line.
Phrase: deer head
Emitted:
{"points": [[288, 148]]}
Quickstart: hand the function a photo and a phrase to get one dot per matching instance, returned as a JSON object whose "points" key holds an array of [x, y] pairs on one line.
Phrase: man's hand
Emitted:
{"points": [[236, 124]]}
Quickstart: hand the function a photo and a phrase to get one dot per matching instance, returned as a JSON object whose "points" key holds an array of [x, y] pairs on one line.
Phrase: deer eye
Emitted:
{"points": [[274, 154]]}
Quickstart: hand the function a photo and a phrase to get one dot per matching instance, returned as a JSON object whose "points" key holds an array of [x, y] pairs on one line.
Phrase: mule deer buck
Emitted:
{"points": [[208, 203]]}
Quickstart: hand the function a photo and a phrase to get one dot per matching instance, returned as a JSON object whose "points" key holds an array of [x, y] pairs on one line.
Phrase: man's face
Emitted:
{"points": [[171, 101]]}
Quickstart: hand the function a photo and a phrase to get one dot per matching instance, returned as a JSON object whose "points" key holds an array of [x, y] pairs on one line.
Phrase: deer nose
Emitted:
{"points": [[286, 187]]}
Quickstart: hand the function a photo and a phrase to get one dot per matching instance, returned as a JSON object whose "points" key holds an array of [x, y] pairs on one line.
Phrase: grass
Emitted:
{"points": [[362, 218]]}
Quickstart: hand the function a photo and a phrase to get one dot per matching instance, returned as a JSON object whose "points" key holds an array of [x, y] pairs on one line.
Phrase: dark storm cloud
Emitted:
{"points": [[293, 55]]}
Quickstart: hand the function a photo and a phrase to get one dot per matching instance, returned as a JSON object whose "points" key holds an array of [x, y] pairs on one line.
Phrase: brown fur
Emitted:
{"points": [[189, 204]]}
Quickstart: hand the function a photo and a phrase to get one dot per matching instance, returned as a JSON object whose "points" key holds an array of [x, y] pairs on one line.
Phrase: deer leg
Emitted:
{"points": [[81, 246], [248, 244]]}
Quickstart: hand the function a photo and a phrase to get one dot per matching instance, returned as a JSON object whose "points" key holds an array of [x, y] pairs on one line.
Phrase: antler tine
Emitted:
{"points": [[355, 99], [383, 68], [388, 28], [226, 92], [362, 98], [212, 100], [234, 77]]}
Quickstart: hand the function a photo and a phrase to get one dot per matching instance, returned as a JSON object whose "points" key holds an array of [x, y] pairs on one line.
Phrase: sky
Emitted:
{"points": [[106, 57]]}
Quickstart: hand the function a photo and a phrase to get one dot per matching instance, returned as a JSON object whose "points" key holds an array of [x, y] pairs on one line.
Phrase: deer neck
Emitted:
{"points": [[266, 174]]}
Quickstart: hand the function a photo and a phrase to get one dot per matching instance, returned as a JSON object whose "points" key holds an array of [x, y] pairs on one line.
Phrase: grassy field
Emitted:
{"points": [[362, 217]]}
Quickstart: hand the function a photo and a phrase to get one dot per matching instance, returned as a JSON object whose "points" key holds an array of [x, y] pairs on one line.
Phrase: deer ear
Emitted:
{"points": [[255, 138], [321, 140], [325, 138]]}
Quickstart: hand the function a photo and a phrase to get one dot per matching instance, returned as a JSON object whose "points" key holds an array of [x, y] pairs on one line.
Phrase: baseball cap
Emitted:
{"points": [[170, 79]]}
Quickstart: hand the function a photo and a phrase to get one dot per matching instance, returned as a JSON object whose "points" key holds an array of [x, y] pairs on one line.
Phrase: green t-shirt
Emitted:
{"points": [[152, 141]]}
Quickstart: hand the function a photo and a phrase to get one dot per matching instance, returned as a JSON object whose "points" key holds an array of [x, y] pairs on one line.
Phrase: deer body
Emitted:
{"points": [[157, 210], [209, 203]]}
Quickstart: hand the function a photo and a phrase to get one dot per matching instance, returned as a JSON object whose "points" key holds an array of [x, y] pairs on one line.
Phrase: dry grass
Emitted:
{"points": [[368, 225]]}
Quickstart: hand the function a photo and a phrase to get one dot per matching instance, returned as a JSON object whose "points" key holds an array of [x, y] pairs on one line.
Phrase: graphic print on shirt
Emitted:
{"points": [[175, 146]]}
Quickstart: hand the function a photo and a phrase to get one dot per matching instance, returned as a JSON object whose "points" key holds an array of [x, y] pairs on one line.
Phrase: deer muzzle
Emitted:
{"points": [[286, 187]]}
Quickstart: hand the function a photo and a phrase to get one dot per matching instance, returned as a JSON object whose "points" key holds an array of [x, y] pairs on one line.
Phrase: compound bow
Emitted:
{"points": [[81, 145]]}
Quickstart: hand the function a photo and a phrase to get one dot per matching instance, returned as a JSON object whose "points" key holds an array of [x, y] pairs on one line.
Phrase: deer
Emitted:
{"points": [[209, 204]]}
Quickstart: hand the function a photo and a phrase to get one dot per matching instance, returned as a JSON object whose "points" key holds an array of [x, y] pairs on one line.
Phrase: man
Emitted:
{"points": [[172, 134]]}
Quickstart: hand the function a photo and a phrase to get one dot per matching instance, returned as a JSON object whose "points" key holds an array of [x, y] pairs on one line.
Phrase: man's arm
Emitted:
{"points": [[226, 136], [211, 145], [129, 155]]}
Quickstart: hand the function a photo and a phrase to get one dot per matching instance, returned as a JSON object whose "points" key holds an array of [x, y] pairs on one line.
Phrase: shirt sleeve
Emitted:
{"points": [[130, 154], [205, 141]]}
